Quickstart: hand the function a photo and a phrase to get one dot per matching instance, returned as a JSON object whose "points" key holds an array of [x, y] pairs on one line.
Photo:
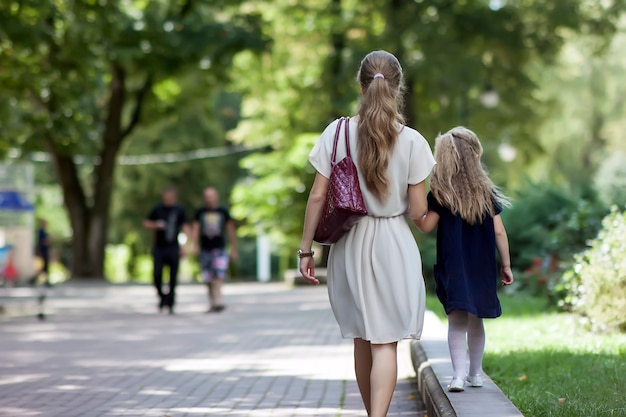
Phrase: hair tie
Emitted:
{"points": [[379, 75]]}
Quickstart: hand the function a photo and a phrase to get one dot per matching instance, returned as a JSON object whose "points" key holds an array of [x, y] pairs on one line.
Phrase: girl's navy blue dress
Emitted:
{"points": [[466, 273]]}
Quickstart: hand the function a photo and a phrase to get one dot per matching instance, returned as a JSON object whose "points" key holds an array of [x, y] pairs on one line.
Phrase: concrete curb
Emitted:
{"points": [[436, 401], [431, 361]]}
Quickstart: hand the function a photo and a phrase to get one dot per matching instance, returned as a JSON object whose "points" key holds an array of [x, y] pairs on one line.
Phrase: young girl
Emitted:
{"points": [[466, 206]]}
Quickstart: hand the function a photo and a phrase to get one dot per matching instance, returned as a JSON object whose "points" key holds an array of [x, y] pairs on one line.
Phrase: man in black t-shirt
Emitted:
{"points": [[211, 225], [167, 219]]}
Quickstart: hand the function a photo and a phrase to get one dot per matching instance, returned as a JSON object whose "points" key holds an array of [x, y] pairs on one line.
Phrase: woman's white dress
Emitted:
{"points": [[375, 281]]}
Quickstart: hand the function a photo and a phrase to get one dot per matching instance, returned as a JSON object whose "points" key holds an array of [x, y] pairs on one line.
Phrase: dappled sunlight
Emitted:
{"points": [[248, 412], [312, 361], [22, 412], [68, 387], [156, 392], [47, 337], [21, 379], [273, 352]]}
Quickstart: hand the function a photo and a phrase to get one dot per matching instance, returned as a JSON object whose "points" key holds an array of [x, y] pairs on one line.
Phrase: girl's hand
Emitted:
{"points": [[507, 275], [307, 269]]}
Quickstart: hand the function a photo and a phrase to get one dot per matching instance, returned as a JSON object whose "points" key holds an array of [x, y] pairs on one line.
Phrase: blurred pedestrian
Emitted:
{"points": [[212, 225], [375, 282], [465, 206], [44, 243], [167, 219]]}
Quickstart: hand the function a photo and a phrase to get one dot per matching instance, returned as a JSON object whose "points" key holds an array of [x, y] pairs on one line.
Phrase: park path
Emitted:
{"points": [[105, 351]]}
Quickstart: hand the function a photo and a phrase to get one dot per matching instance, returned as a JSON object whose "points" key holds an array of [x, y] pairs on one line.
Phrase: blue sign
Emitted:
{"points": [[14, 201]]}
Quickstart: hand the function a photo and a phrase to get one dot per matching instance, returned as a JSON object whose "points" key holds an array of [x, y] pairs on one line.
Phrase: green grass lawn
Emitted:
{"points": [[549, 365]]}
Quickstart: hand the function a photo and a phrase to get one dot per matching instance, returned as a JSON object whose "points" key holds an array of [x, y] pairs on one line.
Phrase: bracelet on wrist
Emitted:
{"points": [[303, 254]]}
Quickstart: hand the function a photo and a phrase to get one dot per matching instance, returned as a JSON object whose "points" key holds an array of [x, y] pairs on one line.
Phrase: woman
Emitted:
{"points": [[375, 282]]}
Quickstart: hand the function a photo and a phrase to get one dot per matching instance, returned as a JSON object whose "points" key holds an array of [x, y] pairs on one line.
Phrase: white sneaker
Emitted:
{"points": [[456, 385], [475, 381]]}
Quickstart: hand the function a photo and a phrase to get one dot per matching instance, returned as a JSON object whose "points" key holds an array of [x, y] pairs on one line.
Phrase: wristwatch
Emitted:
{"points": [[302, 254]]}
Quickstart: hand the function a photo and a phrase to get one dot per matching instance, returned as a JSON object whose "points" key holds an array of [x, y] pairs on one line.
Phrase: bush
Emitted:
{"points": [[537, 212], [596, 284], [142, 269], [610, 180], [116, 262], [547, 226]]}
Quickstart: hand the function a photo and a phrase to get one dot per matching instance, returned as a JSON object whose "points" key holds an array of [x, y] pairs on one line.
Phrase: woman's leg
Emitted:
{"points": [[457, 342], [363, 369], [383, 377], [476, 343]]}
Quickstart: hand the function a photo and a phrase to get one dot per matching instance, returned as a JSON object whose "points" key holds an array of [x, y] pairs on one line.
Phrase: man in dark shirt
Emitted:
{"points": [[167, 219], [210, 226]]}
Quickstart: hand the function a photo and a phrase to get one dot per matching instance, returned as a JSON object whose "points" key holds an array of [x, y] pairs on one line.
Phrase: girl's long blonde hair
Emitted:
{"points": [[459, 182], [379, 117]]}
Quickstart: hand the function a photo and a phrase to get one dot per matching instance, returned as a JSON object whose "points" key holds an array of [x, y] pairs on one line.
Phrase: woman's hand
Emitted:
{"points": [[307, 269]]}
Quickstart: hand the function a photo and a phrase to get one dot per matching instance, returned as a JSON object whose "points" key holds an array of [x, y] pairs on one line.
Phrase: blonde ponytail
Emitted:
{"points": [[380, 77]]}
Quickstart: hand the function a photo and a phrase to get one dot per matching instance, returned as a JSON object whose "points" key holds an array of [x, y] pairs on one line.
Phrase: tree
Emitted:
{"points": [[298, 85], [585, 96], [76, 78], [451, 52]]}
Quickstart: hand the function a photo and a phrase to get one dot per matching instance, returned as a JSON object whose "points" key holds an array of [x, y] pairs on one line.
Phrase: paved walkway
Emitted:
{"points": [[104, 351]]}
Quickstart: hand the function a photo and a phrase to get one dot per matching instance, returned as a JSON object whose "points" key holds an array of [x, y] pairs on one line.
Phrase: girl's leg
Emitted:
{"points": [[457, 342], [476, 342], [363, 369], [383, 377]]}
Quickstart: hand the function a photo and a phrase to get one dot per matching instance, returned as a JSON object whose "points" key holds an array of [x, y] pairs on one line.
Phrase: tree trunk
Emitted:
{"points": [[335, 59], [81, 264], [90, 222]]}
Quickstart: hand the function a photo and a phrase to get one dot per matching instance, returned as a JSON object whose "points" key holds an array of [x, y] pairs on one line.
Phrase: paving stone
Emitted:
{"points": [[105, 351]]}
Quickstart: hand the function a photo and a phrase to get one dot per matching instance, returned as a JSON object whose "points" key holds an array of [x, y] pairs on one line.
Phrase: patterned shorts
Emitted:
{"points": [[214, 264]]}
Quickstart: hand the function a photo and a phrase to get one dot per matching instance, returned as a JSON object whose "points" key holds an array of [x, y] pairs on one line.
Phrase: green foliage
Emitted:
{"points": [[49, 206], [597, 282], [610, 180], [275, 204], [537, 212], [142, 269], [116, 265], [582, 102], [79, 77], [122, 267], [546, 226], [451, 52], [95, 79], [139, 187], [549, 220], [57, 69]]}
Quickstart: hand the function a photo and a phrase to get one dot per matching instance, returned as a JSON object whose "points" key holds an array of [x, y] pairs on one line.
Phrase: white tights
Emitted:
{"points": [[466, 330]]}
